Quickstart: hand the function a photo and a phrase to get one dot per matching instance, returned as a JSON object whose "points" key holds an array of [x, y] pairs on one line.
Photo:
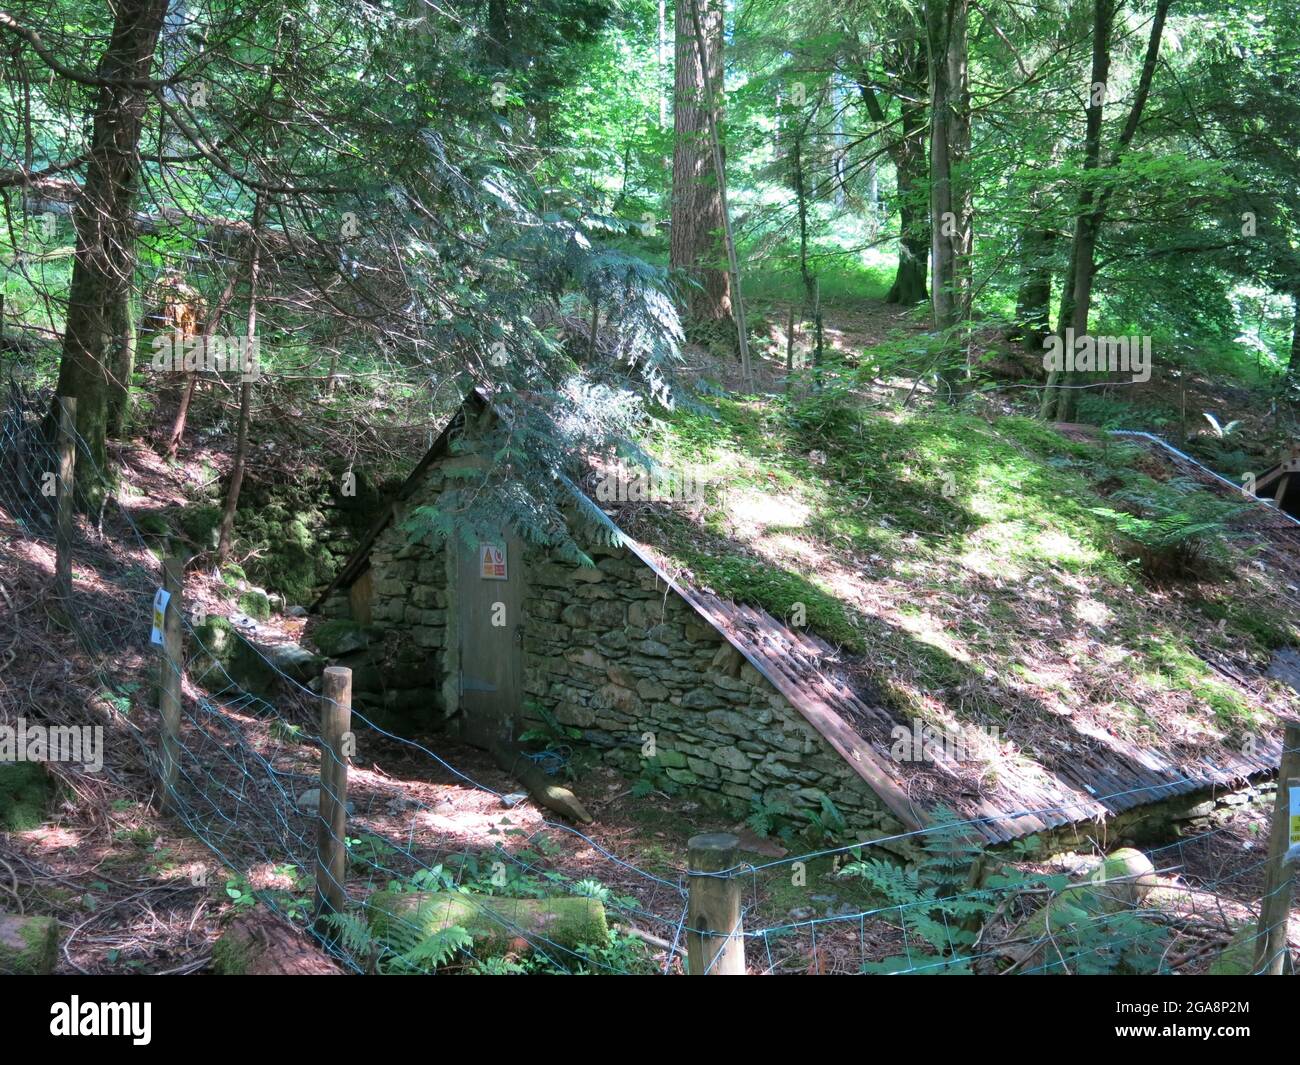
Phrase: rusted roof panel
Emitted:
{"points": [[1108, 776]]}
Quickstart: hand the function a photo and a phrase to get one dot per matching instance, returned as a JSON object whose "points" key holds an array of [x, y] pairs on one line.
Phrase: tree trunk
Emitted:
{"points": [[1294, 363], [801, 202], [913, 215], [907, 152], [1083, 254], [1034, 299], [105, 255], [258, 944], [191, 379], [696, 245], [950, 196], [226, 537], [121, 365], [951, 202], [661, 64], [1060, 398]]}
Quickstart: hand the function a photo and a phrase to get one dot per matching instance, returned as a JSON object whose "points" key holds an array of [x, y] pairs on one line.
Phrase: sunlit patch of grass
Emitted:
{"points": [[1174, 666]]}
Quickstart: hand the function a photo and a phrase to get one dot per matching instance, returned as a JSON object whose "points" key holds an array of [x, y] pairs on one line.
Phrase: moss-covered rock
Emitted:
{"points": [[215, 641], [201, 523], [29, 946], [294, 661], [223, 655], [302, 530], [25, 794], [251, 671], [341, 637], [1238, 956], [230, 956], [256, 604], [1121, 881], [153, 523]]}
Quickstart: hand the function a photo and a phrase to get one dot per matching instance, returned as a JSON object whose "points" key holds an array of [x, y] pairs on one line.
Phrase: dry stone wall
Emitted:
{"points": [[399, 667], [613, 652]]}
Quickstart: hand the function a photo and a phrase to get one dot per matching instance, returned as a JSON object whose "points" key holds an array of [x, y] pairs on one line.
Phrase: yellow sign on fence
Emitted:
{"points": [[1293, 848], [160, 600]]}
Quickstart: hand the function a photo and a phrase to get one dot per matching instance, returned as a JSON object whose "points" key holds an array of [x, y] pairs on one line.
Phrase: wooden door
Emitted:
{"points": [[489, 601]]}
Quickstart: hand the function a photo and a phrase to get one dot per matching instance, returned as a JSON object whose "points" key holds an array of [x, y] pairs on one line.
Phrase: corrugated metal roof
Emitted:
{"points": [[1098, 776]]}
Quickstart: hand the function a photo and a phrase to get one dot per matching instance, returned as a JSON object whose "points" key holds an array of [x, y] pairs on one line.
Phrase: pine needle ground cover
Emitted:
{"points": [[981, 570]]}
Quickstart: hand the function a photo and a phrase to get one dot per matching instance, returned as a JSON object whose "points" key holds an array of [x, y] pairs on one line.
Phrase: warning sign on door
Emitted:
{"points": [[492, 561]]}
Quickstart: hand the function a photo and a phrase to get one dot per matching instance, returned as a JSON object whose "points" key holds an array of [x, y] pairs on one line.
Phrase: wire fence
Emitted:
{"points": [[248, 762]]}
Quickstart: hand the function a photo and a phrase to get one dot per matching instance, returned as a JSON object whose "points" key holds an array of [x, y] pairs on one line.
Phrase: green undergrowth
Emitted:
{"points": [[26, 792], [295, 534]]}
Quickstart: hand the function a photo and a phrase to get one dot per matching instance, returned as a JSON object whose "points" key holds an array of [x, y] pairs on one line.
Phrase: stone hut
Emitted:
{"points": [[492, 639]]}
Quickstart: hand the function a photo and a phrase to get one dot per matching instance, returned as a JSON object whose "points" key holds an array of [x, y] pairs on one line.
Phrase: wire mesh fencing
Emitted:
{"points": [[247, 782]]}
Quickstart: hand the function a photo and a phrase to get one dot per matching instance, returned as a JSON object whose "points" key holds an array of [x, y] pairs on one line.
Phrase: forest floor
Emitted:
{"points": [[136, 892]]}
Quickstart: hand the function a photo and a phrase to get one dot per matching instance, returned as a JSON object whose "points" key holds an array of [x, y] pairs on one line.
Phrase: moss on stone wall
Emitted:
{"points": [[299, 532]]}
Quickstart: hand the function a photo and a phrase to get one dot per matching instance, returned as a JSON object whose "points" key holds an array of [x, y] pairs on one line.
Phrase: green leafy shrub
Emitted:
{"points": [[930, 903], [940, 907], [1171, 529]]}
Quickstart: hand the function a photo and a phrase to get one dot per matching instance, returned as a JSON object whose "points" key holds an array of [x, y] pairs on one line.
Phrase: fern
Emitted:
{"points": [[941, 915], [828, 824], [429, 953], [1173, 528], [402, 950], [935, 910], [765, 817]]}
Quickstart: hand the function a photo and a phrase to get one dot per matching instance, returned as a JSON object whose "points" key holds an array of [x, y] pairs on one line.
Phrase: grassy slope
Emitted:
{"points": [[960, 562]]}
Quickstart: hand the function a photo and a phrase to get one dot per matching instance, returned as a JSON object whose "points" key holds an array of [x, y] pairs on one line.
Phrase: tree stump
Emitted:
{"points": [[259, 944], [29, 946]]}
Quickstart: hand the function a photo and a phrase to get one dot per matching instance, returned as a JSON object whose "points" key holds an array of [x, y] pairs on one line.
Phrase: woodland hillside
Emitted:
{"points": [[649, 487]]}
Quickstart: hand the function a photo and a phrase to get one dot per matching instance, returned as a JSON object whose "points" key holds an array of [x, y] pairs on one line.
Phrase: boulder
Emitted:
{"points": [[335, 638], [294, 661], [309, 802], [25, 793]]}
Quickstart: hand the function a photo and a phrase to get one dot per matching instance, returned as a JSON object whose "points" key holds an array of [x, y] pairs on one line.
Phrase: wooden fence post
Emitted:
{"points": [[169, 681], [1271, 951], [63, 490], [715, 944], [331, 834]]}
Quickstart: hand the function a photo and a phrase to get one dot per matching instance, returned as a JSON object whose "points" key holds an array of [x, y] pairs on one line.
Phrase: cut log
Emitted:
{"points": [[1121, 882], [261, 945], [29, 946], [497, 925], [544, 791]]}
